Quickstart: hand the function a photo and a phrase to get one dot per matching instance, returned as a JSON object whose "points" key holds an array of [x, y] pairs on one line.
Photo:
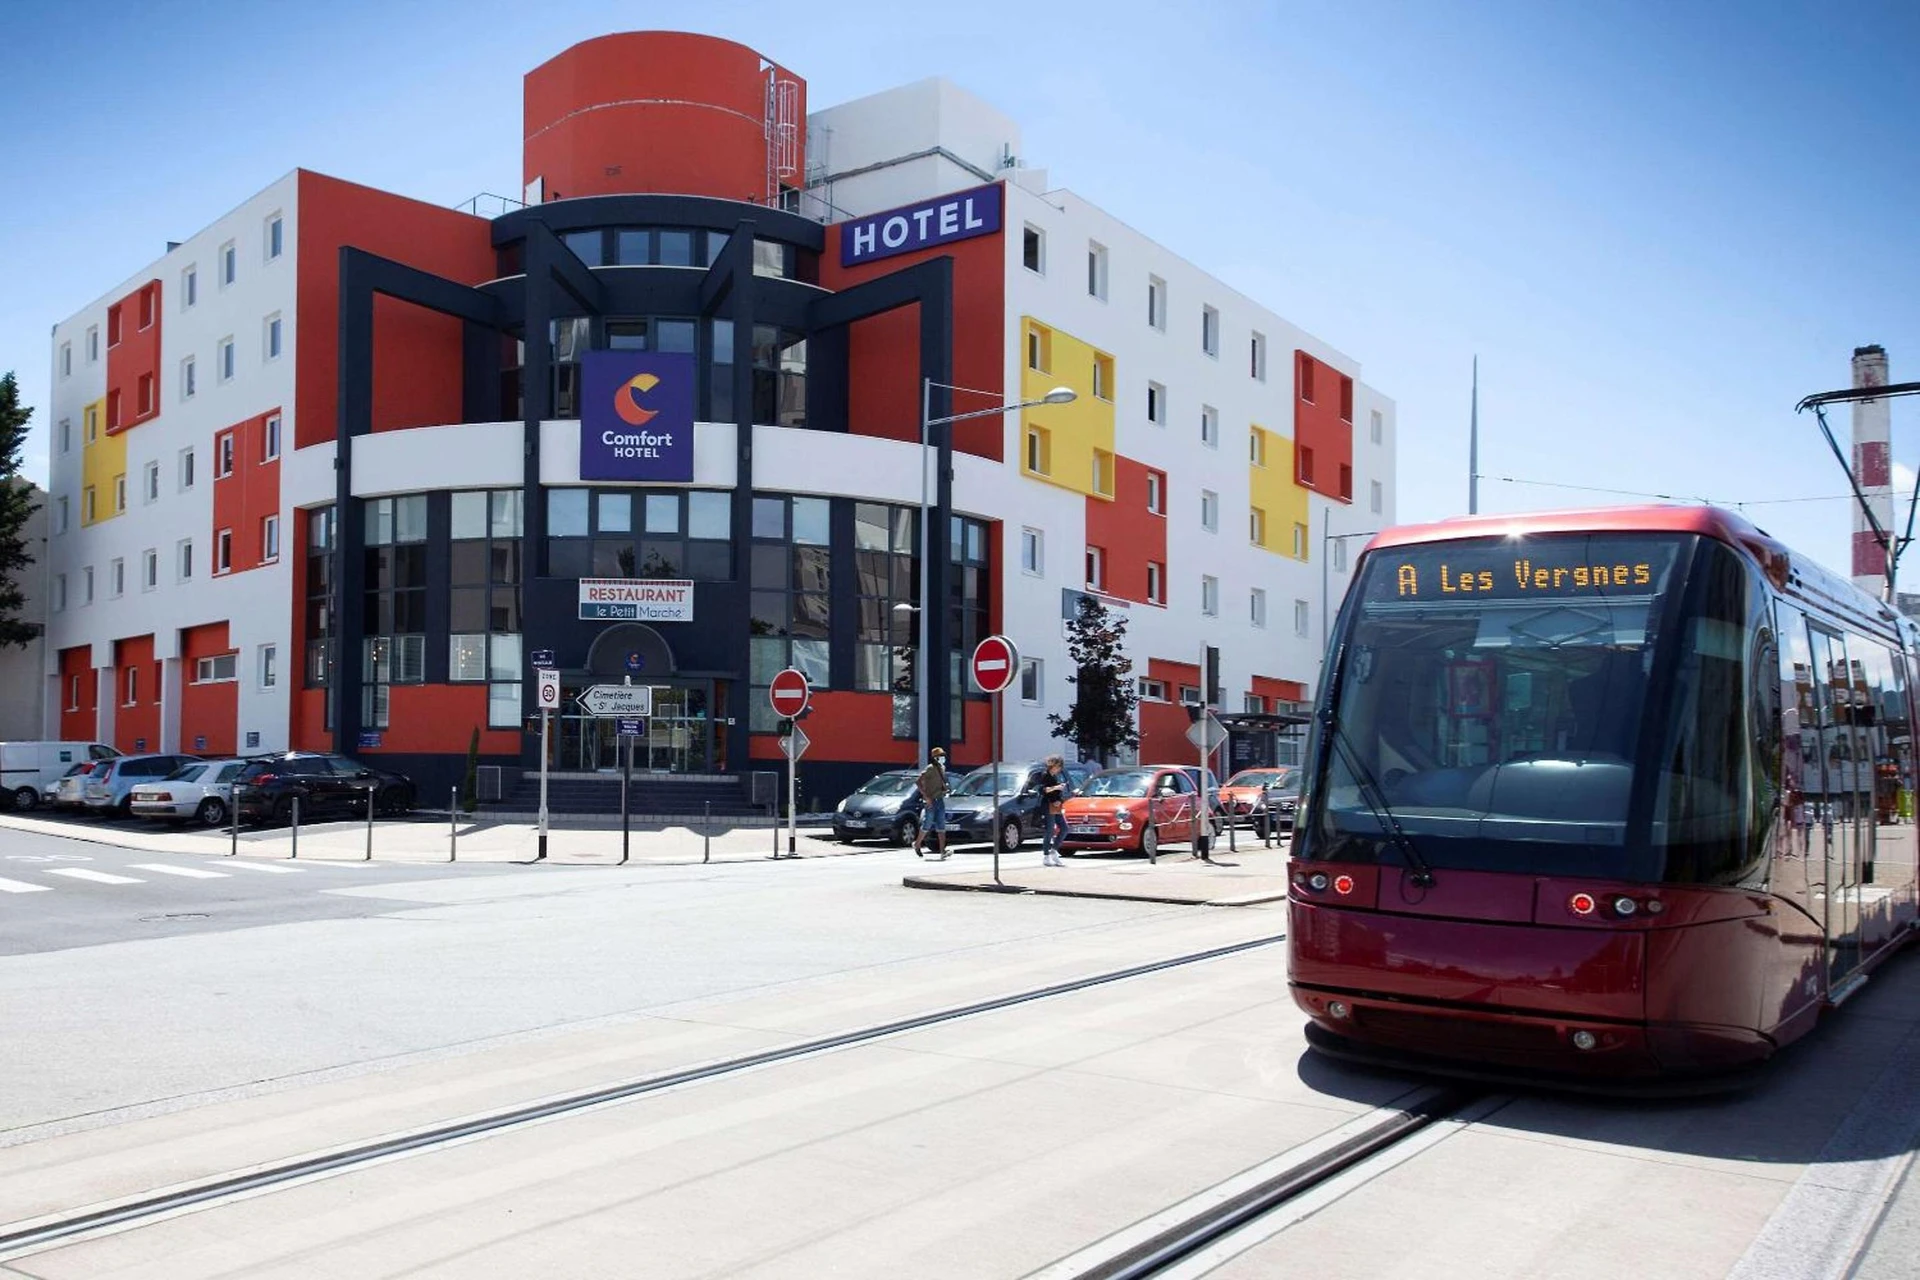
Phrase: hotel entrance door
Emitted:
{"points": [[679, 737]]}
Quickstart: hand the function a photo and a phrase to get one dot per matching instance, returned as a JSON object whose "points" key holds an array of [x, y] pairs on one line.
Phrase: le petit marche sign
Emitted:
{"points": [[636, 600]]}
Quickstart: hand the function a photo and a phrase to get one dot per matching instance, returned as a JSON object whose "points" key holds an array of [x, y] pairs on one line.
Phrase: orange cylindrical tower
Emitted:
{"points": [[663, 111]]}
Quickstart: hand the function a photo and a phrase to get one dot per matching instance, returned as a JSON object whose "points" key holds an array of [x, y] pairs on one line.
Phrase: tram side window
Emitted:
{"points": [[1701, 815]]}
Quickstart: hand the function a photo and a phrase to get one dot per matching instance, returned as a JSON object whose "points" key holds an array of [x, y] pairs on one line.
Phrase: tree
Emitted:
{"points": [[16, 507], [1103, 717]]}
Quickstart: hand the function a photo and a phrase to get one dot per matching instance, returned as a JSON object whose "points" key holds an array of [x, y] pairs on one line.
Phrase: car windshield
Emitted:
{"points": [[187, 773], [887, 784], [1120, 782], [1256, 777], [980, 782]]}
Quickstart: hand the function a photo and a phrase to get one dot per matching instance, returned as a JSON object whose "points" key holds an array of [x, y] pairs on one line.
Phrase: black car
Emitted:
{"points": [[887, 806], [326, 786], [970, 812], [1277, 807]]}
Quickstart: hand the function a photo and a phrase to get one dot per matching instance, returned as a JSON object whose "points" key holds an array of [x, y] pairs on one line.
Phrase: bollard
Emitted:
{"points": [[233, 812], [1233, 839], [371, 786], [453, 825], [706, 835], [296, 828]]}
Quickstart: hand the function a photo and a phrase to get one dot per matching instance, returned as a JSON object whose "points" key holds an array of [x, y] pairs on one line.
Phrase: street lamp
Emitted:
{"points": [[1059, 395]]}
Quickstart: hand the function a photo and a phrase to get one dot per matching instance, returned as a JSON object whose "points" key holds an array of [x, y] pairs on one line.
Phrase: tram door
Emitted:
{"points": [[1844, 817]]}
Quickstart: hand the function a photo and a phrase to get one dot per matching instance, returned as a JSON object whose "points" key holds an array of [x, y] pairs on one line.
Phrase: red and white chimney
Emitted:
{"points": [[1873, 468]]}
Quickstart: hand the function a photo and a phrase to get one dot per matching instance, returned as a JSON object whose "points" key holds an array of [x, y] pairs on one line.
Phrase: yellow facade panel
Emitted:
{"points": [[1271, 490], [1077, 437], [103, 461]]}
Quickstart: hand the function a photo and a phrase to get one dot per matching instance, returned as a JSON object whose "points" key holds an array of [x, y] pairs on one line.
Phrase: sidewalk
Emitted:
{"points": [[1240, 878]]}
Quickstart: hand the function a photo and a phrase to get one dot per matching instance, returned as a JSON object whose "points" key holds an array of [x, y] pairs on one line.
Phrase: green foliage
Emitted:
{"points": [[1103, 718], [17, 505], [470, 789]]}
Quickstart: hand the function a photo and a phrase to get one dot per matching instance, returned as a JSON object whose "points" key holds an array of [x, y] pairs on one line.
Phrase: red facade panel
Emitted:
{"points": [[1275, 690], [1164, 725], [79, 695], [1322, 428], [883, 353], [1129, 533], [136, 720], [247, 494], [417, 370], [439, 719], [133, 358], [209, 711], [660, 111], [859, 726]]}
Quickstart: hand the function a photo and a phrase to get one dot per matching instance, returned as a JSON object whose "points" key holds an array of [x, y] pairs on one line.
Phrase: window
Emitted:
{"points": [[269, 666], [1375, 427], [1302, 617], [484, 628], [1346, 481], [119, 493], [1209, 426], [1346, 399], [1039, 451], [183, 559], [394, 646], [1340, 555], [789, 604], [887, 596], [677, 535], [1157, 302], [66, 435], [149, 569], [1103, 377], [270, 338], [1257, 447], [145, 394], [275, 237], [270, 438], [223, 360], [1156, 404], [269, 539], [223, 455], [1102, 477], [1306, 378], [66, 359], [1032, 552], [1033, 249], [87, 513], [186, 469], [1096, 568], [1156, 582], [1210, 331], [1210, 596], [223, 551], [1257, 527], [317, 633], [113, 325], [149, 296], [1376, 496], [1039, 348], [1097, 270], [218, 669], [188, 383], [229, 264], [1257, 606], [93, 344], [1299, 541], [1156, 493], [117, 578], [60, 514], [1209, 510], [1303, 458], [1031, 680], [132, 683], [1152, 690], [189, 287], [1190, 695], [92, 425], [60, 600], [113, 411], [86, 585], [1259, 357]]}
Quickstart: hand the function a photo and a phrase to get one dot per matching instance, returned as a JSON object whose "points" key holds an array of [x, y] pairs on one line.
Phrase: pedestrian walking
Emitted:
{"points": [[1053, 800], [932, 784]]}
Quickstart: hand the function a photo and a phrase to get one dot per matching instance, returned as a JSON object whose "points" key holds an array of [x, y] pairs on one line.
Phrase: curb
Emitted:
{"points": [[921, 882]]}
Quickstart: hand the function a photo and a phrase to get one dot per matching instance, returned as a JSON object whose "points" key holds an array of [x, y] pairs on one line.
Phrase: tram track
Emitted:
{"points": [[30, 1236]]}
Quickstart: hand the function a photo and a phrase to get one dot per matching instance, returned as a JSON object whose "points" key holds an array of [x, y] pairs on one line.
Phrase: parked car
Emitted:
{"points": [[1279, 806], [1241, 794], [887, 806], [202, 790], [110, 783], [1205, 780], [71, 791], [970, 811], [325, 785], [1136, 807], [28, 768]]}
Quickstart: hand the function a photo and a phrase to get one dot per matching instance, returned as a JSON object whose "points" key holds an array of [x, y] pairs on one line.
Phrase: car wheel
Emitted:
{"points": [[907, 832], [282, 811], [124, 809], [1010, 835], [395, 801], [1150, 842], [212, 811], [25, 799]]}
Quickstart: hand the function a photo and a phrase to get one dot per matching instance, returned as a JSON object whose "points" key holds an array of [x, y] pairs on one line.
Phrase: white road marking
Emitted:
{"points": [[98, 877], [21, 886], [273, 867], [168, 869]]}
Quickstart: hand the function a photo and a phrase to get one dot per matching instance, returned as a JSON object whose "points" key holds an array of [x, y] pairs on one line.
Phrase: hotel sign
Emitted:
{"points": [[636, 416], [636, 600], [960, 216]]}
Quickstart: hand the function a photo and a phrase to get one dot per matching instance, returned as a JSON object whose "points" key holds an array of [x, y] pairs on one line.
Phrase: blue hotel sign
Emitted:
{"points": [[960, 216], [636, 416]]}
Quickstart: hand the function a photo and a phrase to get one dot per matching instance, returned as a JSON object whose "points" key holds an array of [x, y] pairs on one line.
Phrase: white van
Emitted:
{"points": [[27, 767]]}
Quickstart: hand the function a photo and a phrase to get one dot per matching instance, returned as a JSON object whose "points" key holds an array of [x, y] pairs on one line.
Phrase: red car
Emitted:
{"points": [[1132, 808]]}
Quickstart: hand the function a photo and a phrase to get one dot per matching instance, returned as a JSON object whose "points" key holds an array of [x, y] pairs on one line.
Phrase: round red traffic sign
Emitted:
{"points": [[995, 663], [789, 693]]}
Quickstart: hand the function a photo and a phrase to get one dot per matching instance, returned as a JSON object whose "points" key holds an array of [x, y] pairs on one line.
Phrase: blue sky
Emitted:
{"points": [[1657, 225]]}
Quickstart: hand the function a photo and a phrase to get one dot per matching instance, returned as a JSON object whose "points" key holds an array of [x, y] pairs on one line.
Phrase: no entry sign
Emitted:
{"points": [[995, 663], [789, 693]]}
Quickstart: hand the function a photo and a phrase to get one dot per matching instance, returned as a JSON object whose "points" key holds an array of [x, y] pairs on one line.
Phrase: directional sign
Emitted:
{"points": [[549, 689], [633, 728], [789, 693], [1207, 733], [795, 744], [995, 663], [614, 700]]}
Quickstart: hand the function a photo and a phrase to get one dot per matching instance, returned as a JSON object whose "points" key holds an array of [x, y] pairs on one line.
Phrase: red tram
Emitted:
{"points": [[1617, 794]]}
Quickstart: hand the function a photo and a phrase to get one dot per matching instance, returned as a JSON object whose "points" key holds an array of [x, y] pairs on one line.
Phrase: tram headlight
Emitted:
{"points": [[1317, 882], [1625, 906]]}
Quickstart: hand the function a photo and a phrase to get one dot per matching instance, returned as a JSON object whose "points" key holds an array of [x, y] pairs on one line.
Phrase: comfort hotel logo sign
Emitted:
{"points": [[636, 416], [942, 220]]}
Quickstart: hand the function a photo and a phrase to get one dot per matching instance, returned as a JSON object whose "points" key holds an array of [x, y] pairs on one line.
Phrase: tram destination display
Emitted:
{"points": [[1592, 566]]}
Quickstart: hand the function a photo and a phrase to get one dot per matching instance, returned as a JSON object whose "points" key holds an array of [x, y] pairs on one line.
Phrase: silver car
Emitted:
{"points": [[201, 790]]}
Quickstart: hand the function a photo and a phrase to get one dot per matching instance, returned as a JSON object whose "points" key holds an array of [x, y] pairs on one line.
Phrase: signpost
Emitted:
{"points": [[628, 730], [622, 701], [549, 700], [1206, 734], [789, 694], [995, 663]]}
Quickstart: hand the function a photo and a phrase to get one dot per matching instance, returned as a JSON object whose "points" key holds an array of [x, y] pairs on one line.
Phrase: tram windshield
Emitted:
{"points": [[1496, 696]]}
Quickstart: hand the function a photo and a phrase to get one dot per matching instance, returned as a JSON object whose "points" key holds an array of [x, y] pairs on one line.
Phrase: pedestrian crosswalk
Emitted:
{"points": [[33, 876], [88, 873]]}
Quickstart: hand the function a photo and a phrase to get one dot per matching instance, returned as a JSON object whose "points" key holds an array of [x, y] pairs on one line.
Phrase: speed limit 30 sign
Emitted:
{"points": [[549, 691]]}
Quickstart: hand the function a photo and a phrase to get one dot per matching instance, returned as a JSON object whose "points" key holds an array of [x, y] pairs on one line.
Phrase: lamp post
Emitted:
{"points": [[1059, 395]]}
